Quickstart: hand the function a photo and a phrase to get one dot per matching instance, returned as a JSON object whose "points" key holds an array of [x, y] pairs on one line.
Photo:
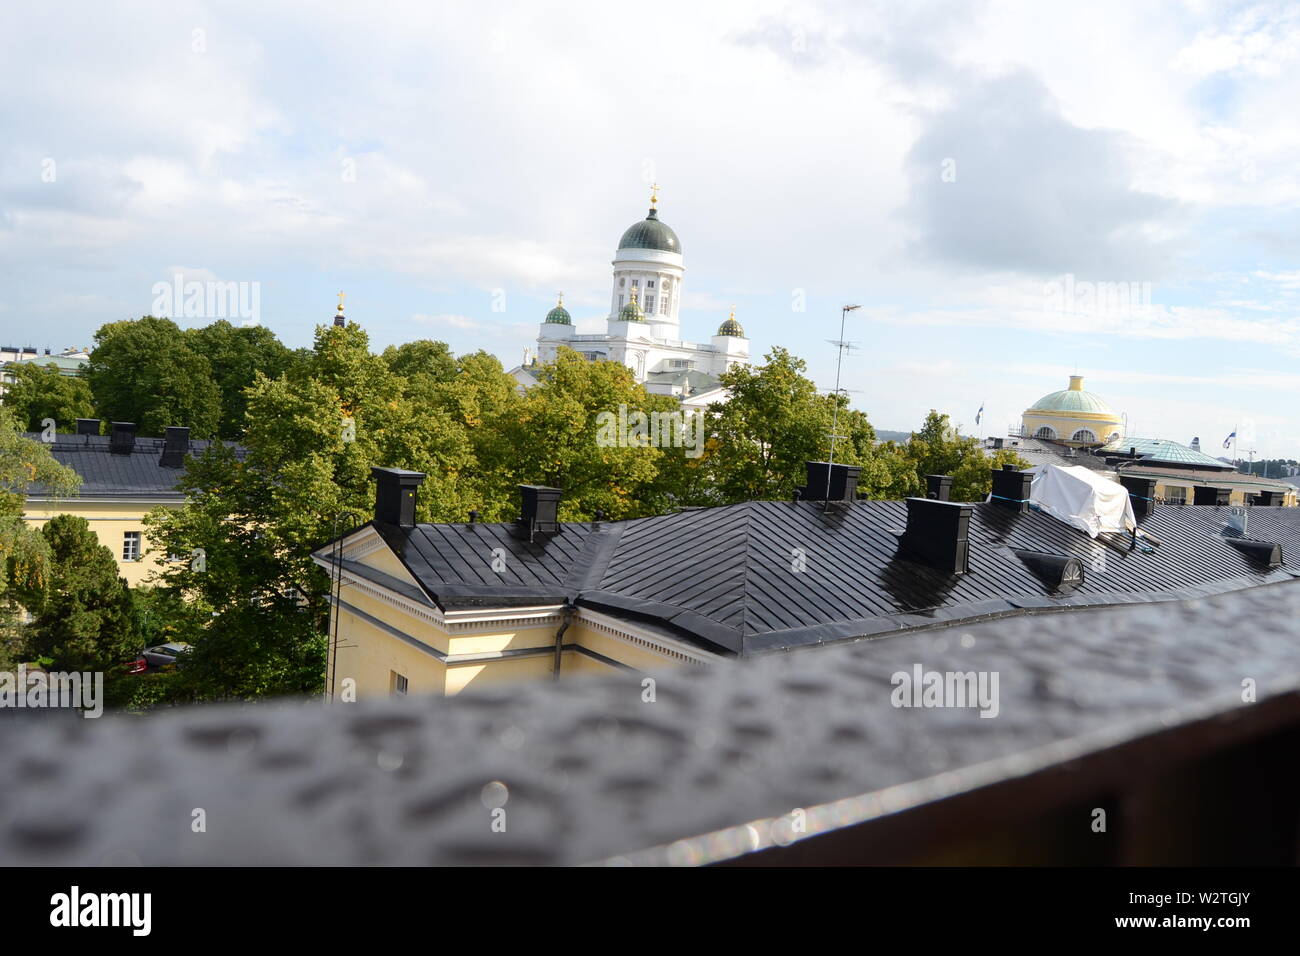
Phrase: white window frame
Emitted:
{"points": [[131, 546]]}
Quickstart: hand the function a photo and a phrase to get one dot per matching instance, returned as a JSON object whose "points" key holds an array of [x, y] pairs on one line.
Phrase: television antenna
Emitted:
{"points": [[840, 345]]}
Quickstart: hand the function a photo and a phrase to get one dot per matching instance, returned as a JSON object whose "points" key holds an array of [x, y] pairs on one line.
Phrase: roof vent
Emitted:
{"points": [[1059, 571], [831, 482], [1141, 494], [122, 438], [938, 534], [1207, 495], [395, 495], [1265, 552], [176, 445], [540, 509], [938, 487], [1011, 488], [87, 426]]}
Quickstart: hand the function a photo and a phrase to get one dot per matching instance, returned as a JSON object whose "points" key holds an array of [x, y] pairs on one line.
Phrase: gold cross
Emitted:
{"points": [[654, 195], [340, 301]]}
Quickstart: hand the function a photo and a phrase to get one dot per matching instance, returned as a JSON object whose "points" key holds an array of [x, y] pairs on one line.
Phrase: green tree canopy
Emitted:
{"points": [[146, 371], [38, 392], [237, 354], [86, 620]]}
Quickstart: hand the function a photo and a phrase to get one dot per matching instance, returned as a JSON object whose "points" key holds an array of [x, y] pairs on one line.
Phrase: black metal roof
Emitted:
{"points": [[725, 579], [105, 475]]}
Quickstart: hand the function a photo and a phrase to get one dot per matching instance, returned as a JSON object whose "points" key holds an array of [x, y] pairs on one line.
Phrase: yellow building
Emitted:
{"points": [[123, 478], [439, 608], [1078, 427], [1072, 416]]}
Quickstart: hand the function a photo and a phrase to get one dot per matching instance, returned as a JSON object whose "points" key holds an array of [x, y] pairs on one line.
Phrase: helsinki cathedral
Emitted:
{"points": [[641, 328]]}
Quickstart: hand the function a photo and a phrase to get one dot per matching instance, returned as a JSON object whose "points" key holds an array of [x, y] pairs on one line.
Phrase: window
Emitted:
{"points": [[622, 282], [131, 546], [1083, 435], [399, 684], [681, 363], [1047, 431], [663, 305], [650, 284], [635, 283], [1114, 436], [649, 303], [1176, 496], [620, 303]]}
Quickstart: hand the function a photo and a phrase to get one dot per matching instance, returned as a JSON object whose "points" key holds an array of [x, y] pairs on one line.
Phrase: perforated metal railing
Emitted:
{"points": [[1152, 734]]}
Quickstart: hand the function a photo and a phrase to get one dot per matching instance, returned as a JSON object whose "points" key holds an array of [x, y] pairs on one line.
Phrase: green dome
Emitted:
{"points": [[731, 327], [559, 315], [1072, 399], [650, 233], [632, 312]]}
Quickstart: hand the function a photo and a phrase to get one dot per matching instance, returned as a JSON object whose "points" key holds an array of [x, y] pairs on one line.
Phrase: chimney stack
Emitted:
{"points": [[843, 481], [1011, 488], [395, 495], [938, 487], [87, 426], [540, 508], [176, 445], [938, 534], [1141, 492], [122, 438], [1208, 495]]}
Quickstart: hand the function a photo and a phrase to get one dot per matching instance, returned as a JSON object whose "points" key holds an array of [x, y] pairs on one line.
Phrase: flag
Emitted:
{"points": [[1228, 441], [979, 415]]}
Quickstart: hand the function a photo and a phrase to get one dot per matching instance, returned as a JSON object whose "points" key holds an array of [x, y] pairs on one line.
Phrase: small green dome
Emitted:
{"points": [[650, 233], [559, 315], [731, 327], [632, 312], [1072, 399]]}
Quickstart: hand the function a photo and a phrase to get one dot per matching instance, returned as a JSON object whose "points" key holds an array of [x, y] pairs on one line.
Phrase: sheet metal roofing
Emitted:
{"points": [[726, 578], [1171, 452], [105, 475]]}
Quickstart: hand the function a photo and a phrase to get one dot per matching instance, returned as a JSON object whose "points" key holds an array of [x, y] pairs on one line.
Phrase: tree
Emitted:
{"points": [[38, 392], [25, 563], [940, 449], [145, 371], [237, 354], [555, 438], [86, 620], [775, 422]]}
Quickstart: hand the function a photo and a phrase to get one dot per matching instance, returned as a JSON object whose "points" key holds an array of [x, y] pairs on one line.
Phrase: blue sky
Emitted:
{"points": [[939, 163]]}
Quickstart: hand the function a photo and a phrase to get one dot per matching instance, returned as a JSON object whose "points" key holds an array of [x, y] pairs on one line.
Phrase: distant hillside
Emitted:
{"points": [[885, 435]]}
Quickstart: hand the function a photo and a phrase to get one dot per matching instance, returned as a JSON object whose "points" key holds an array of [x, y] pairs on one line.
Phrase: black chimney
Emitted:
{"points": [[1207, 495], [87, 426], [176, 445], [938, 487], [395, 494], [843, 482], [938, 534], [122, 438], [540, 509], [1011, 488], [1141, 493]]}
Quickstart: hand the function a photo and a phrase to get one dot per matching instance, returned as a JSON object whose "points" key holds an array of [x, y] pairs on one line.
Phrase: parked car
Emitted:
{"points": [[137, 666], [165, 655]]}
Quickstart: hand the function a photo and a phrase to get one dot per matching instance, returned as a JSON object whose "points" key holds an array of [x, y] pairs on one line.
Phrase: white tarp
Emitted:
{"points": [[1082, 498]]}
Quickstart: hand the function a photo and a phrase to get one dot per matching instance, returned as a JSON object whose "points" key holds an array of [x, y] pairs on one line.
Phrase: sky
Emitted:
{"points": [[1014, 192]]}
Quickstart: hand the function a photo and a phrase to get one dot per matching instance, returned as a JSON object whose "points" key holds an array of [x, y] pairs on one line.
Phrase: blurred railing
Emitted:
{"points": [[1159, 733]]}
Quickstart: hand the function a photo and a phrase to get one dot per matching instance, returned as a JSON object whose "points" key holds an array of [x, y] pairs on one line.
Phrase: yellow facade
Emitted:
{"points": [[387, 642], [112, 520]]}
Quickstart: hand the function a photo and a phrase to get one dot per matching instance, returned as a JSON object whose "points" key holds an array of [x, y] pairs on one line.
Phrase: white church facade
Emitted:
{"points": [[642, 327]]}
